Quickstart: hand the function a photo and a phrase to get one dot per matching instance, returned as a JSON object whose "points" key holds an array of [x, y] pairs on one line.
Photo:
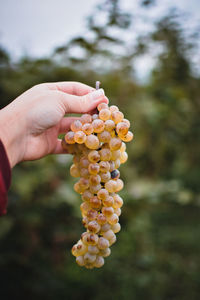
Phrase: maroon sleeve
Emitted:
{"points": [[5, 178]]}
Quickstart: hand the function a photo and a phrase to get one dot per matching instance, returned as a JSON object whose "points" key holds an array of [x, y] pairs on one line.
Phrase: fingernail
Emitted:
{"points": [[97, 94]]}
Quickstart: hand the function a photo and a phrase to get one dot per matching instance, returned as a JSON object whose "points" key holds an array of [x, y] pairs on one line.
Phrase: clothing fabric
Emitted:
{"points": [[5, 179]]}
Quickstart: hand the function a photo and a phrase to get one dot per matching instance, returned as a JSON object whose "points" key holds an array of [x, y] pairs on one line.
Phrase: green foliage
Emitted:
{"points": [[157, 252]]}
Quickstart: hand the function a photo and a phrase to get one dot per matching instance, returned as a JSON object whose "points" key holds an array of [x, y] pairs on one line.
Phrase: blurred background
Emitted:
{"points": [[147, 56]]}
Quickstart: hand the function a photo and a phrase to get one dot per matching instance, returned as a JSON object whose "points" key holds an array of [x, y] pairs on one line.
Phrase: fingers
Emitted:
{"points": [[73, 88], [83, 104], [65, 124], [59, 149]]}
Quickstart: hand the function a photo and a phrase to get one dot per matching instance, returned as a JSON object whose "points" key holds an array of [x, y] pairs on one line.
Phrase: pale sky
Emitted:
{"points": [[36, 27]]}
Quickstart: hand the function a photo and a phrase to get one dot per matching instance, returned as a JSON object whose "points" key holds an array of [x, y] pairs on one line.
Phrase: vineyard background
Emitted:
{"points": [[157, 252]]}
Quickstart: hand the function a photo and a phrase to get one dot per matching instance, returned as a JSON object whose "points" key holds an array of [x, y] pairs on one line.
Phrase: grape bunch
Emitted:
{"points": [[98, 144]]}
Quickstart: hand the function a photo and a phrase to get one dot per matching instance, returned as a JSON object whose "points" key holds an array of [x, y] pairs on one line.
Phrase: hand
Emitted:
{"points": [[30, 125]]}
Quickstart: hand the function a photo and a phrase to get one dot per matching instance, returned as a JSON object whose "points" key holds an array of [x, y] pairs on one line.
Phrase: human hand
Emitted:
{"points": [[30, 125]]}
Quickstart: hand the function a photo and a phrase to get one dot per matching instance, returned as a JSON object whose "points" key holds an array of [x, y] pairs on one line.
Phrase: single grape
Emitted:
{"points": [[111, 186], [115, 144], [84, 162], [114, 108], [123, 147], [86, 118], [76, 126], [98, 125], [93, 226], [95, 116], [104, 136], [89, 258], [118, 201], [93, 249], [105, 176], [107, 211], [113, 219], [116, 228], [109, 125], [87, 195], [93, 156], [105, 252], [99, 262], [117, 163], [104, 114], [92, 142], [95, 203], [84, 172], [89, 238], [115, 174], [87, 128], [84, 207], [115, 154], [127, 138], [108, 201], [95, 188], [122, 128], [103, 243], [101, 219], [117, 116], [105, 154], [80, 261], [127, 122], [102, 194], [102, 106], [79, 137], [92, 214], [105, 227], [93, 168], [123, 157], [74, 171], [109, 234], [119, 185], [69, 137], [104, 166]]}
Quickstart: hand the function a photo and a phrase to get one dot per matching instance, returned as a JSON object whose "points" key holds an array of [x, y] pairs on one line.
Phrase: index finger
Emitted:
{"points": [[71, 87]]}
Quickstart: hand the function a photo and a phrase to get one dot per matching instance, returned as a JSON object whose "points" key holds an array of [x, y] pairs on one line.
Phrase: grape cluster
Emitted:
{"points": [[98, 144]]}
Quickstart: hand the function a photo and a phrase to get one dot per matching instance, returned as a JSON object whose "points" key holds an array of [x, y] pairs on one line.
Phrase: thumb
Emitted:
{"points": [[85, 103]]}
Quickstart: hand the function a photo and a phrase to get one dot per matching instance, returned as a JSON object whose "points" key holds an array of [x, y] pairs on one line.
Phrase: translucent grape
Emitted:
{"points": [[93, 156], [87, 128], [89, 258], [93, 168], [69, 137], [109, 125], [79, 137], [86, 118], [115, 144], [99, 262], [104, 136], [116, 228], [105, 176], [76, 126], [102, 106], [123, 157], [92, 142], [117, 116], [102, 194], [104, 114], [74, 171], [105, 154], [103, 243], [93, 226], [111, 186], [128, 137], [98, 126], [95, 203], [114, 108], [104, 166], [122, 128]]}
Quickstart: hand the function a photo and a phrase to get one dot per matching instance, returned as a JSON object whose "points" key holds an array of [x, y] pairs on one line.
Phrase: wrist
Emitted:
{"points": [[11, 134]]}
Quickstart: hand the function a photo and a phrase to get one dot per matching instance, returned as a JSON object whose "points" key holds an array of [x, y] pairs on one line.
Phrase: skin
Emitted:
{"points": [[30, 125]]}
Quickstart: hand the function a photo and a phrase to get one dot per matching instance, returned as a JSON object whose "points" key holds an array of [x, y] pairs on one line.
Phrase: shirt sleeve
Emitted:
{"points": [[5, 179]]}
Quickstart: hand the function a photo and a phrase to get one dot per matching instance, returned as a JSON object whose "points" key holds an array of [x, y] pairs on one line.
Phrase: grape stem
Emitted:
{"points": [[98, 85]]}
